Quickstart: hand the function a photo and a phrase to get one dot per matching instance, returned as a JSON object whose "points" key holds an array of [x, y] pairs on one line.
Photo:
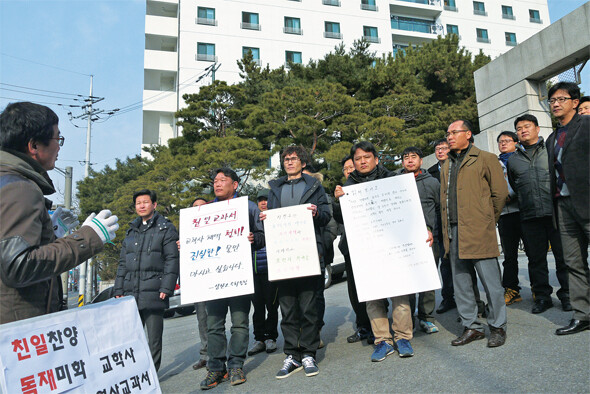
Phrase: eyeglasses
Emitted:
{"points": [[560, 100], [290, 159], [441, 149], [347, 169], [455, 132], [504, 142], [60, 140]]}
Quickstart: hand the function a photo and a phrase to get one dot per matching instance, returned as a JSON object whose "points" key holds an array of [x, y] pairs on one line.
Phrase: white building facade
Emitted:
{"points": [[185, 38]]}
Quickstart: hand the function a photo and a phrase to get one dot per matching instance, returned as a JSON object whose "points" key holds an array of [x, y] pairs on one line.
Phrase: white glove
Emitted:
{"points": [[104, 224], [63, 221]]}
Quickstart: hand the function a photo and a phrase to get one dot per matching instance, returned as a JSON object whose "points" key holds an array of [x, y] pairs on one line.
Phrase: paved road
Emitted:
{"points": [[534, 359]]}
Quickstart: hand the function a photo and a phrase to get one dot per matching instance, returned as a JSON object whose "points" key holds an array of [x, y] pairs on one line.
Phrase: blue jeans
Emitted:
{"points": [[239, 308]]}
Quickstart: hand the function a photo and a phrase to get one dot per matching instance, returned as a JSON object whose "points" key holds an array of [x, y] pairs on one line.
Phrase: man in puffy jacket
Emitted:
{"points": [[31, 257], [148, 267]]}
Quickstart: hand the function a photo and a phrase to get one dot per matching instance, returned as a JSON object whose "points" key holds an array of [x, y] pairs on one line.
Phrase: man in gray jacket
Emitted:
{"points": [[528, 173]]}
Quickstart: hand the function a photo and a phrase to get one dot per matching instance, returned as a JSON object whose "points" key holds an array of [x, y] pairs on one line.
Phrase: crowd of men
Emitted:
{"points": [[535, 191]]}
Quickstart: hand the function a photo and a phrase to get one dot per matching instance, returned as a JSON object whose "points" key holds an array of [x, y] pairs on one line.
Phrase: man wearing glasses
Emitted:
{"points": [[568, 149], [473, 193]]}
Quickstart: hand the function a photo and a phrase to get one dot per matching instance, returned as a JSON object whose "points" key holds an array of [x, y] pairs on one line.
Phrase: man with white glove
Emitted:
{"points": [[63, 221], [31, 257]]}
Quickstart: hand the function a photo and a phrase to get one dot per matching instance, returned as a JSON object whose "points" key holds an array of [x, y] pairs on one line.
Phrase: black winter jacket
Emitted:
{"points": [[148, 264], [528, 174]]}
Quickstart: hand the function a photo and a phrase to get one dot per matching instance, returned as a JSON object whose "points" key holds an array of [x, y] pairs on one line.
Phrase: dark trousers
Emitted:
{"points": [[360, 308], [266, 308], [153, 321], [537, 234], [575, 234], [510, 235], [239, 308], [299, 307], [447, 292], [321, 301]]}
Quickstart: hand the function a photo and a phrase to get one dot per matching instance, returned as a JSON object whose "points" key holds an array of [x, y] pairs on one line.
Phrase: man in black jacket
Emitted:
{"points": [[298, 297], [148, 267], [528, 174], [568, 150]]}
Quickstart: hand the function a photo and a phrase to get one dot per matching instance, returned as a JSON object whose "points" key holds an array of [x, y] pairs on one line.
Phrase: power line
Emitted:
{"points": [[43, 64], [41, 90], [41, 94], [39, 102]]}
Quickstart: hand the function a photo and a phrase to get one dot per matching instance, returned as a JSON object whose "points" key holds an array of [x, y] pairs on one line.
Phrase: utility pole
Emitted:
{"points": [[67, 205]]}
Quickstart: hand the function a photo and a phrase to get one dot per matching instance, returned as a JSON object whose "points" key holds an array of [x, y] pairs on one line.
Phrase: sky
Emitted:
{"points": [[54, 46]]}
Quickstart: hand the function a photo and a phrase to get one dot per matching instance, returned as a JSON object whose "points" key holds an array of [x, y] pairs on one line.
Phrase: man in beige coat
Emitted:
{"points": [[472, 195]]}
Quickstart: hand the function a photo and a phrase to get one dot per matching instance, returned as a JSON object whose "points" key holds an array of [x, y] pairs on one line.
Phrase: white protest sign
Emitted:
{"points": [[386, 236], [100, 348], [215, 254], [291, 249]]}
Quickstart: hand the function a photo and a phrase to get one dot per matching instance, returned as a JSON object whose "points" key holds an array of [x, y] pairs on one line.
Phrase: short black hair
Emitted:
{"points": [[24, 121], [412, 149], [145, 192], [363, 145], [583, 99], [572, 89], [510, 134], [227, 172], [525, 117], [197, 199], [346, 158], [300, 151], [440, 141]]}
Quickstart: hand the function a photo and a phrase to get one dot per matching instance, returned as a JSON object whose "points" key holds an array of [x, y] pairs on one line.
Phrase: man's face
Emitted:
{"points": [[506, 144], [364, 162], [584, 108], [263, 204], [199, 202], [528, 133], [348, 168], [441, 151], [224, 187], [144, 207], [458, 136], [46, 155], [411, 162], [292, 164], [564, 109]]}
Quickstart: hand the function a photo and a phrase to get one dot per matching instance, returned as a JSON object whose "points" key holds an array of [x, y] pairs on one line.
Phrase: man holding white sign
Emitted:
{"points": [[298, 297]]}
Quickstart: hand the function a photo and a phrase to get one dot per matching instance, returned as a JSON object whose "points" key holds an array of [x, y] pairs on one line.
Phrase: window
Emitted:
{"points": [[535, 17], [412, 24], [292, 25], [370, 34], [507, 12], [368, 5], [479, 8], [250, 21], [292, 57], [482, 35], [332, 30], [255, 53], [510, 39], [453, 29], [206, 16], [206, 52], [450, 5], [335, 3], [399, 48]]}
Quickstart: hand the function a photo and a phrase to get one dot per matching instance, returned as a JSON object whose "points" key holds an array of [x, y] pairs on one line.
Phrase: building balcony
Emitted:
{"points": [[480, 12], [484, 40], [329, 34], [511, 43], [160, 60], [508, 16], [161, 26], [369, 7], [415, 34], [430, 9], [335, 3], [206, 21], [203, 57], [157, 100], [451, 8], [250, 26], [535, 20], [373, 39], [292, 30]]}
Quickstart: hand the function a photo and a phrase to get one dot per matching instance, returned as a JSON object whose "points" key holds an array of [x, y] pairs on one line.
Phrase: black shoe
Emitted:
{"points": [[213, 378], [542, 305], [574, 327], [446, 305], [566, 305], [359, 335], [497, 337], [371, 339]]}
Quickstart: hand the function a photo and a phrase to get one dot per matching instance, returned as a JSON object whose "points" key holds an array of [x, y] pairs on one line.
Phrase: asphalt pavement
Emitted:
{"points": [[533, 359]]}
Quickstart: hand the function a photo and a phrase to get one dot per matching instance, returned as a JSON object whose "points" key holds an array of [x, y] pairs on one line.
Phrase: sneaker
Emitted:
{"points": [[310, 366], [382, 350], [511, 296], [213, 378], [258, 347], [236, 376], [359, 335], [428, 327], [271, 345], [404, 348], [290, 366]]}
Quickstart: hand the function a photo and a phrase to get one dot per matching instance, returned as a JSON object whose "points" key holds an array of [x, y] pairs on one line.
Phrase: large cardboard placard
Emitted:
{"points": [[99, 348], [291, 249], [215, 254], [386, 236]]}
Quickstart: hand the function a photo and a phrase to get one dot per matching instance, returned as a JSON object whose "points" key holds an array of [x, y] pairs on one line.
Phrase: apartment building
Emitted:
{"points": [[190, 42]]}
